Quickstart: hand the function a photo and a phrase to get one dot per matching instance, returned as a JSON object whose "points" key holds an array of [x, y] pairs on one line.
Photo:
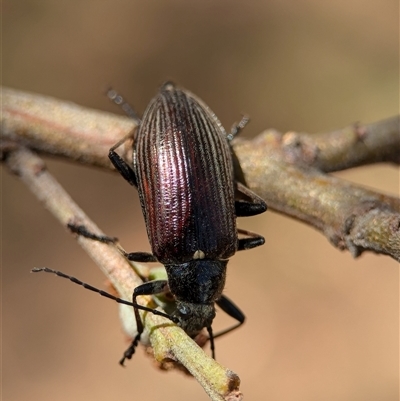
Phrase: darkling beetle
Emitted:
{"points": [[183, 169]]}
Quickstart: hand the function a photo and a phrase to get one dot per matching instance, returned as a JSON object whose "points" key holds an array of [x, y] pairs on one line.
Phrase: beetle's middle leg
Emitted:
{"points": [[82, 230], [253, 241]]}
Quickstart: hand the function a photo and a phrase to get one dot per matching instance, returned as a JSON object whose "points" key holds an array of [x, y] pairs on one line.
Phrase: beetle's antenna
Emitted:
{"points": [[103, 293], [116, 98], [237, 127]]}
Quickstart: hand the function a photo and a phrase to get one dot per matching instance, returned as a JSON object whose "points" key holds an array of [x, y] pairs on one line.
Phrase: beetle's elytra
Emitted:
{"points": [[184, 173]]}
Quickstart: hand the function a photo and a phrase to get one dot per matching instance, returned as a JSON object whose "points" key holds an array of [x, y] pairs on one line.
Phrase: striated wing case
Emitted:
{"points": [[185, 179]]}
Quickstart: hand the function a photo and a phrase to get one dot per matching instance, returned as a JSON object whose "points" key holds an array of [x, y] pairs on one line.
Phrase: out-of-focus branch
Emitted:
{"points": [[286, 170], [168, 341], [58, 128]]}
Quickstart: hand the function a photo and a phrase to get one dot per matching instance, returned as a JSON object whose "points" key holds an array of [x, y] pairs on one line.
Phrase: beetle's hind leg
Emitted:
{"points": [[82, 230], [116, 98], [247, 203], [144, 257], [120, 164], [238, 127], [251, 207]]}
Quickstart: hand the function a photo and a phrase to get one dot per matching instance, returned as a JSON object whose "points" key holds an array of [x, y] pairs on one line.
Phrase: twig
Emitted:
{"points": [[168, 340], [280, 168], [59, 128], [352, 146]]}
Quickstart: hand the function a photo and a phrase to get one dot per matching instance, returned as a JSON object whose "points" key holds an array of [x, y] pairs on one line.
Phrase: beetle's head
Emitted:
{"points": [[192, 318], [196, 286]]}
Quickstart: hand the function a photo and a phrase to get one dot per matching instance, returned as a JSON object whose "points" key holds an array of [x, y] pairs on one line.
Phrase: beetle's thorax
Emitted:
{"points": [[196, 286], [199, 281]]}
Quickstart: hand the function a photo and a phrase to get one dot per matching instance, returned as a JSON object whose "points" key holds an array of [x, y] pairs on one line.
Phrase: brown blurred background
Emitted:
{"points": [[320, 325]]}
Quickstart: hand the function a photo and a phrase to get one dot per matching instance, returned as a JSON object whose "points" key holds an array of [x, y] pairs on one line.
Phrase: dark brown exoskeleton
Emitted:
{"points": [[191, 194], [183, 170]]}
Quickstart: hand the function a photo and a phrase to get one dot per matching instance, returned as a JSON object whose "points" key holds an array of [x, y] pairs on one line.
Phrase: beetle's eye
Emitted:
{"points": [[183, 310]]}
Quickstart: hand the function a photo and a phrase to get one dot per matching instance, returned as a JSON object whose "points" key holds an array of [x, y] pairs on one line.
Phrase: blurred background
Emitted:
{"points": [[320, 325]]}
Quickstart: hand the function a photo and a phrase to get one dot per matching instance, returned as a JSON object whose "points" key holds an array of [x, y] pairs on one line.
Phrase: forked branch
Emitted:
{"points": [[287, 170]]}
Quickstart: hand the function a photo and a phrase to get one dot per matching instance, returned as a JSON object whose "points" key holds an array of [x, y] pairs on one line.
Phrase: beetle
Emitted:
{"points": [[183, 169]]}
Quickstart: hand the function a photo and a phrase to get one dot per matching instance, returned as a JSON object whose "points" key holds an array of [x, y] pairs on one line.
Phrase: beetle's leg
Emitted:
{"points": [[235, 130], [237, 169], [120, 164], [233, 311], [252, 204], [211, 339], [245, 208], [237, 127], [122, 167], [150, 288], [116, 98], [82, 230], [144, 257], [248, 243]]}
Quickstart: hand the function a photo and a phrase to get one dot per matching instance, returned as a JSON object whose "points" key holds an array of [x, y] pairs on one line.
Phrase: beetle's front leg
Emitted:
{"points": [[233, 311], [150, 288]]}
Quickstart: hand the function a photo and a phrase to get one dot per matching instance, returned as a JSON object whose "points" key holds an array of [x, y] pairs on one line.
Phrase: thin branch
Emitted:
{"points": [[280, 168], [59, 128], [168, 340]]}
